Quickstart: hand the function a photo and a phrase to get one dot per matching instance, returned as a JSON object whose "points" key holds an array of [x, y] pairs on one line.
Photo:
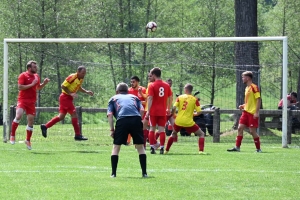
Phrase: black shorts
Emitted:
{"points": [[126, 125]]}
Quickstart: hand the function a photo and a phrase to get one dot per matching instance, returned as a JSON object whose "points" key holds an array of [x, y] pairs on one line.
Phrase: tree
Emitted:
{"points": [[246, 53]]}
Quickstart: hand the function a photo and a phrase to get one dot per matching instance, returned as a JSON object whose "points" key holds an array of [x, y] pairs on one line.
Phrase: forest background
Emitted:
{"points": [[214, 68]]}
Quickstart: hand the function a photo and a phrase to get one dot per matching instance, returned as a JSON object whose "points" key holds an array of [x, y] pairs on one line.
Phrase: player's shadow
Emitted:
{"points": [[43, 153], [87, 151]]}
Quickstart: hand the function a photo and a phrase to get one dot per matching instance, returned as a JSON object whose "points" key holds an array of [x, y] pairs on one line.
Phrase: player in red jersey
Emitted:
{"points": [[250, 113], [186, 105], [69, 87], [138, 91], [28, 84], [159, 102]]}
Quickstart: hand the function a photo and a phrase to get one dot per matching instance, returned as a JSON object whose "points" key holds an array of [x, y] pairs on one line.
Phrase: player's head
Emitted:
{"points": [[32, 66], [293, 96], [81, 71], [247, 76], [122, 88], [150, 77], [156, 72], [188, 88], [169, 81], [134, 81]]}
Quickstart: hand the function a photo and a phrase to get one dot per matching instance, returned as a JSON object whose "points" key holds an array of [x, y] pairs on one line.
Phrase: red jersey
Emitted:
{"points": [[28, 95], [160, 91], [135, 92]]}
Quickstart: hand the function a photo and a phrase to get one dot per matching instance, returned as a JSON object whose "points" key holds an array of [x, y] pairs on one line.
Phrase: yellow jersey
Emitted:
{"points": [[251, 95], [186, 105], [73, 83]]}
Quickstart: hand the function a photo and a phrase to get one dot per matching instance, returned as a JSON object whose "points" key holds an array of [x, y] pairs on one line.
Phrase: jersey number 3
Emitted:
{"points": [[185, 103]]}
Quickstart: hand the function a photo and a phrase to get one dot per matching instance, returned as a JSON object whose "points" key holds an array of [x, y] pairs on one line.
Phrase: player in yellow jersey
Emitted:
{"points": [[250, 113], [186, 105], [69, 87]]}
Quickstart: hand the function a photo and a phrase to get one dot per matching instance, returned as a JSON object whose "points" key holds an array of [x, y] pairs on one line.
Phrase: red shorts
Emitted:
{"points": [[157, 120], [66, 104], [248, 120], [191, 129], [29, 107]]}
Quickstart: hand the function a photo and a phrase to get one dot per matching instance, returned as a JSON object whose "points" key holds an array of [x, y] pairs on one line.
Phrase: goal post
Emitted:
{"points": [[284, 40]]}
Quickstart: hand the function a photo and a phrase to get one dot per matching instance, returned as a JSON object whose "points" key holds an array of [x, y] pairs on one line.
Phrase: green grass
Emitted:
{"points": [[60, 168]]}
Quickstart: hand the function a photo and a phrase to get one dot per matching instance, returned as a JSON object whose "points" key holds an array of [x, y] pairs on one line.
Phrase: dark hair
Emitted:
{"points": [[169, 80], [135, 78], [156, 71], [189, 87], [80, 68], [30, 63], [248, 73], [294, 94]]}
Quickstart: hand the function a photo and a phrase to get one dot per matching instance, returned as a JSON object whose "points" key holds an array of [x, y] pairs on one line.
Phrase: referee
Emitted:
{"points": [[127, 110]]}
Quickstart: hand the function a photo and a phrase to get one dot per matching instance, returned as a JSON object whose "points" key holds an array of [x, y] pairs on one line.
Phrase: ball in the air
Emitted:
{"points": [[151, 26]]}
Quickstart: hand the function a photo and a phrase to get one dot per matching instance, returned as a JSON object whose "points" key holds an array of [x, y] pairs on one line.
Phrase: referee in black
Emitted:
{"points": [[127, 109]]}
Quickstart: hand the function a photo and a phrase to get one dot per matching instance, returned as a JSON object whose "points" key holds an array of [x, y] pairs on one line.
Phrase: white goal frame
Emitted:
{"points": [[284, 40]]}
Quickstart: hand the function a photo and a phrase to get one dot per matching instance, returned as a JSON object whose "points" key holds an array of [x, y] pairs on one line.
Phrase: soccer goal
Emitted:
{"points": [[212, 64]]}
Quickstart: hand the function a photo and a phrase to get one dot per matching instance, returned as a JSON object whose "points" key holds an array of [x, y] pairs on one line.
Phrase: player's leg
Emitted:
{"points": [[114, 159], [128, 139], [52, 122], [15, 123], [201, 139], [29, 130], [152, 141], [243, 123], [162, 120], [138, 139], [171, 139], [64, 102], [254, 125], [145, 130]]}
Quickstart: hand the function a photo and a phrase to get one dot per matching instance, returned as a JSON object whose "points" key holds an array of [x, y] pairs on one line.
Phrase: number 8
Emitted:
{"points": [[161, 92]]}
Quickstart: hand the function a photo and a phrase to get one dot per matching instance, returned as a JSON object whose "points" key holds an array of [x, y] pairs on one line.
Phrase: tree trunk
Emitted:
{"points": [[246, 53], [122, 45]]}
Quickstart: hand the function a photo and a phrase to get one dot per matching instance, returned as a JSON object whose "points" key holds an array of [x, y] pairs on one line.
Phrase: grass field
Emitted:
{"points": [[60, 168]]}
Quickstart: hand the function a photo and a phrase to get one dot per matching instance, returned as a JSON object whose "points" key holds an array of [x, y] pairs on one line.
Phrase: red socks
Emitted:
{"points": [[151, 137], [257, 143], [169, 143], [146, 133], [201, 144], [162, 138], [14, 127], [76, 126], [238, 141], [53, 121], [28, 135]]}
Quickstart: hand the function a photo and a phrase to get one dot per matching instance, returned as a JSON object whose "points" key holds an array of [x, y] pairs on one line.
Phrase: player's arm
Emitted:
{"points": [[197, 108], [41, 86], [86, 91], [258, 103], [21, 82], [149, 100], [110, 117]]}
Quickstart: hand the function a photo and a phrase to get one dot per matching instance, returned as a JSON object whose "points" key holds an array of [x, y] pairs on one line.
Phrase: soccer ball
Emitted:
{"points": [[151, 26]]}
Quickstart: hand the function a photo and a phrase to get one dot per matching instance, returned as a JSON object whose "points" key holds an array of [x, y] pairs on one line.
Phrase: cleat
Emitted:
{"points": [[234, 149], [44, 130], [113, 176], [12, 140], [152, 150], [161, 151], [145, 176], [258, 151], [166, 152], [80, 137], [28, 144], [202, 153]]}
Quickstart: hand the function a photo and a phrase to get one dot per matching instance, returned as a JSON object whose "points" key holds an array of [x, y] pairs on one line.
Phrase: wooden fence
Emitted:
{"points": [[273, 115]]}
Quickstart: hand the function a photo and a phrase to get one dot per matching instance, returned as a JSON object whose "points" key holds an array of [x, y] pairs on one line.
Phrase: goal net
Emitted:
{"points": [[212, 65]]}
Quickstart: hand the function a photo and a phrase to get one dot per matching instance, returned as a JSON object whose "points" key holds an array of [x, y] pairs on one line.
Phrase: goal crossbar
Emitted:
{"points": [[284, 40]]}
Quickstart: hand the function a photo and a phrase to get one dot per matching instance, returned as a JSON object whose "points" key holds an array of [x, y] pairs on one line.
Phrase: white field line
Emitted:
{"points": [[93, 169]]}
